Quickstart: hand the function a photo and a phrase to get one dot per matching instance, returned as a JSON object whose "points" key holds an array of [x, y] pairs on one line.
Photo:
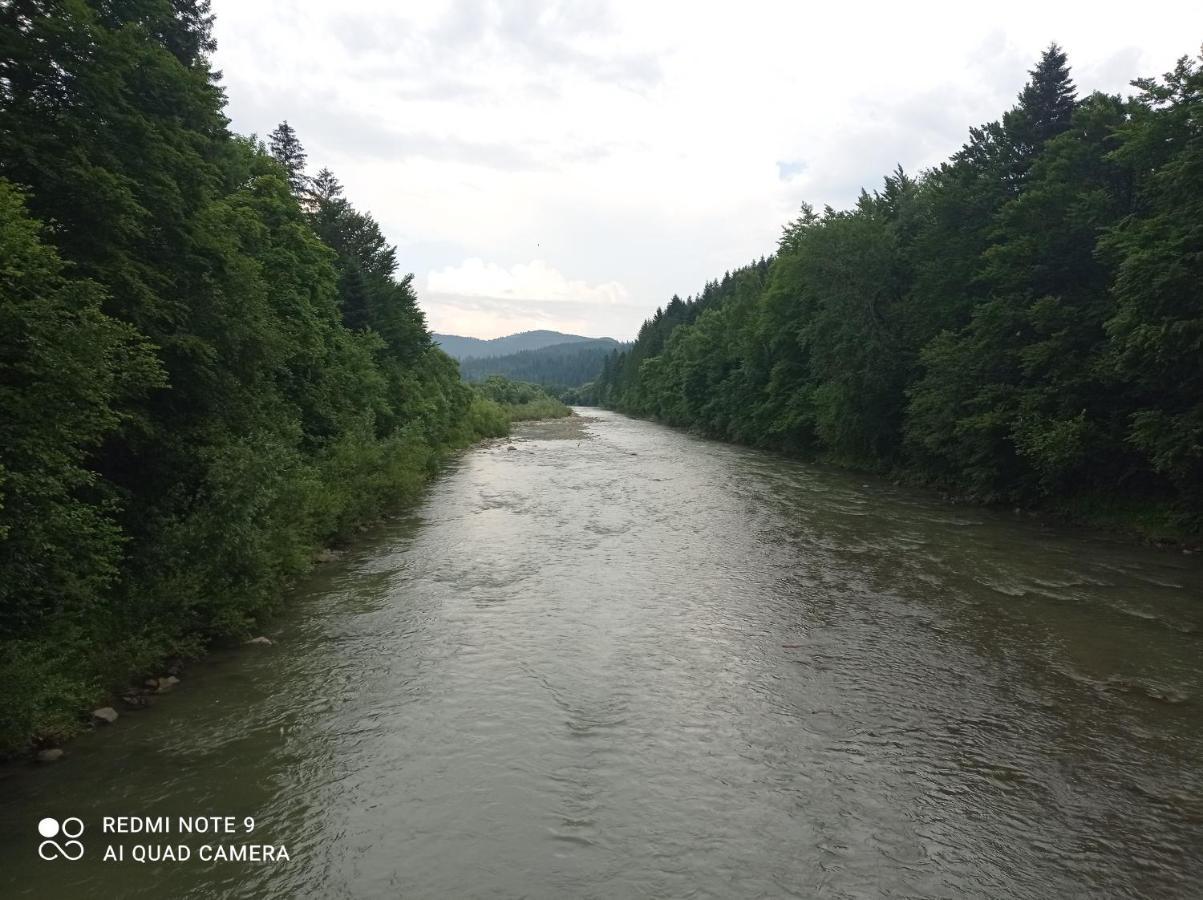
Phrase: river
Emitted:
{"points": [[610, 659]]}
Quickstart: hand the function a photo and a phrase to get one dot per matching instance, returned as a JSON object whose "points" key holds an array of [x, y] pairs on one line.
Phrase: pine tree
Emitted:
{"points": [[286, 147], [1046, 105], [325, 187]]}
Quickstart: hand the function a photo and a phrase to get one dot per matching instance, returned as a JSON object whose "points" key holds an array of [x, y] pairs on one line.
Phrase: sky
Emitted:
{"points": [[572, 165]]}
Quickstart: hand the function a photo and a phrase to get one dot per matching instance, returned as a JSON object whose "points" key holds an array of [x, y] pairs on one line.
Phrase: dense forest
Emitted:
{"points": [[558, 368], [1022, 324], [209, 363]]}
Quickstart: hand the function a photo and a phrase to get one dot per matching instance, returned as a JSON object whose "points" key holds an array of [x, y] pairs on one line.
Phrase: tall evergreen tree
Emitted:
{"points": [[326, 188], [287, 149], [1045, 108]]}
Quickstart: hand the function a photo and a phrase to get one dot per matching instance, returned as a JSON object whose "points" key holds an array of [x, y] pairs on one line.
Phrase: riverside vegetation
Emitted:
{"points": [[209, 365], [520, 400], [1022, 324]]}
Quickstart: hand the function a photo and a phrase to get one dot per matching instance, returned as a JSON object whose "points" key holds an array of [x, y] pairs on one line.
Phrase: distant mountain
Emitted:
{"points": [[558, 367], [464, 347]]}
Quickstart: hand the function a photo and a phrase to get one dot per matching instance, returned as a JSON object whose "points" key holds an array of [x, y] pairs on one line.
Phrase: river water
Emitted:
{"points": [[614, 660]]}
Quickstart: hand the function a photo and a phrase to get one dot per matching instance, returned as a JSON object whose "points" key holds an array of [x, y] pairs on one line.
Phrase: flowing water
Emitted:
{"points": [[613, 660]]}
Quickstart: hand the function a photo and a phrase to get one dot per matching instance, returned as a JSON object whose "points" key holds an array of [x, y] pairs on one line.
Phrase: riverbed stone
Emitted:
{"points": [[327, 555], [265, 641], [166, 684], [106, 715], [50, 754]]}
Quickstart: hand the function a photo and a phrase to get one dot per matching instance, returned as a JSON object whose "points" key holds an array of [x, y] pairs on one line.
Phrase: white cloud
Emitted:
{"points": [[488, 300], [638, 144], [535, 280]]}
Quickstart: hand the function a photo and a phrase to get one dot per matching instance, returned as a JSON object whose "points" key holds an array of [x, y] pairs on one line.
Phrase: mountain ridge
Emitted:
{"points": [[558, 367], [461, 347]]}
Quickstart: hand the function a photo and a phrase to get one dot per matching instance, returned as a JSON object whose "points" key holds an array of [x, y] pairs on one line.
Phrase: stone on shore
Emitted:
{"points": [[106, 715], [261, 640], [49, 755]]}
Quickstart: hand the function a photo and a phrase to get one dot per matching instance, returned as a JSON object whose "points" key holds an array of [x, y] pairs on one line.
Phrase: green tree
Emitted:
{"points": [[1156, 330], [65, 367], [287, 149], [1046, 106], [1010, 406]]}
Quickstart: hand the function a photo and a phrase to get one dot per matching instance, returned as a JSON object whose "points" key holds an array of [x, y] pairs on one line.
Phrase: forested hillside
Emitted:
{"points": [[1022, 324], [557, 368], [459, 347], [209, 363]]}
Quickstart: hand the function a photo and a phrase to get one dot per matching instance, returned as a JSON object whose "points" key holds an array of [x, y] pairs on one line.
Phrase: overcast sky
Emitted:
{"points": [[571, 165]]}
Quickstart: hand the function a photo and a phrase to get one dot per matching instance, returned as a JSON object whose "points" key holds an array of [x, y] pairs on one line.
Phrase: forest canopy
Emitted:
{"points": [[211, 363]]}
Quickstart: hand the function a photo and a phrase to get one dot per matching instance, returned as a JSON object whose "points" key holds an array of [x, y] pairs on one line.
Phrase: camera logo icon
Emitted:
{"points": [[70, 849]]}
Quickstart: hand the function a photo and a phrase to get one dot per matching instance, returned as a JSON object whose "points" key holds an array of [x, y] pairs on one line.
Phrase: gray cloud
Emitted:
{"points": [[326, 123], [1115, 73], [549, 38], [620, 141], [506, 315]]}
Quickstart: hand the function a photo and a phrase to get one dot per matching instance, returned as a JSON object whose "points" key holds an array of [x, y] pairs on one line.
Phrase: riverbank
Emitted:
{"points": [[54, 686]]}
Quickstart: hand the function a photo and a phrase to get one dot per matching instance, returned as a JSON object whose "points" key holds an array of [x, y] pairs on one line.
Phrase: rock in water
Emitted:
{"points": [[52, 754], [260, 640], [106, 715]]}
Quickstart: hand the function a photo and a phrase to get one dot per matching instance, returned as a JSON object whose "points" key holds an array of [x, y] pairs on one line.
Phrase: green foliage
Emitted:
{"points": [[545, 408], [519, 400], [209, 365], [65, 368], [1021, 324], [1155, 327], [286, 148], [584, 395]]}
